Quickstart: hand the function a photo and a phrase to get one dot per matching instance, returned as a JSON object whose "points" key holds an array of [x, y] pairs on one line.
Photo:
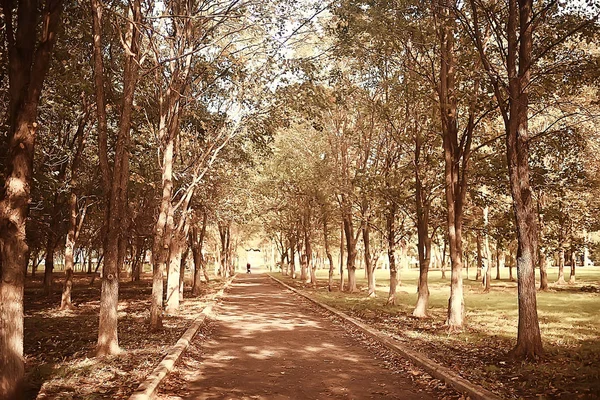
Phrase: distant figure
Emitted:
{"points": [[248, 268]]}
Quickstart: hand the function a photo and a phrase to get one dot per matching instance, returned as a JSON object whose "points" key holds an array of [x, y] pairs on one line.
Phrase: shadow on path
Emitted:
{"points": [[266, 343]]}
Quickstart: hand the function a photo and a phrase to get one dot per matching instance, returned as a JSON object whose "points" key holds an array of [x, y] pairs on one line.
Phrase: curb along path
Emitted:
{"points": [[435, 370], [267, 344], [148, 388]]}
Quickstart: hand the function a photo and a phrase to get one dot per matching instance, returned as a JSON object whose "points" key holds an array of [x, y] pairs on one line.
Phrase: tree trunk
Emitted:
{"points": [[573, 264], [487, 262], [529, 341], [292, 256], [456, 159], [479, 256], [499, 257], [561, 266], [328, 253], [28, 64], [351, 250], [89, 262], [423, 204], [182, 265], [541, 247], [370, 269], [176, 249], [197, 242], [108, 343], [342, 258], [391, 250], [49, 264], [444, 259], [73, 231]]}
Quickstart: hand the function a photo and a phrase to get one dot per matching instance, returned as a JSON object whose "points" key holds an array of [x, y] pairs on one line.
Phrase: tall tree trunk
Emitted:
{"points": [[541, 248], [108, 343], [28, 64], [53, 236], [310, 264], [423, 204], [487, 262], [161, 236], [342, 257], [369, 267], [73, 231], [292, 241], [391, 250], [456, 157], [328, 252], [197, 242], [351, 250]]}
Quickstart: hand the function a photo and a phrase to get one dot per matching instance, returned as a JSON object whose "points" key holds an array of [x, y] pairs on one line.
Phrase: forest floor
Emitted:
{"points": [[59, 345], [569, 321], [265, 342]]}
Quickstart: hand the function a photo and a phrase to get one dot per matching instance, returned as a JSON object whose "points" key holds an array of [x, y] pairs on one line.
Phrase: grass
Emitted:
{"points": [[569, 322]]}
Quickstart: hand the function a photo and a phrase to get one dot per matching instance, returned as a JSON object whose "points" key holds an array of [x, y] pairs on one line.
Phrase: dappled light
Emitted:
{"points": [[265, 343], [299, 199]]}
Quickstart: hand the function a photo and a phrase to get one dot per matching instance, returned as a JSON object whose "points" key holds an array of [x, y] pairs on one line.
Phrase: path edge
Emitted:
{"points": [[440, 372], [147, 389]]}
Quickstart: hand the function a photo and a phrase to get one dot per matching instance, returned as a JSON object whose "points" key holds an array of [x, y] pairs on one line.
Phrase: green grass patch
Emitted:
{"points": [[569, 322]]}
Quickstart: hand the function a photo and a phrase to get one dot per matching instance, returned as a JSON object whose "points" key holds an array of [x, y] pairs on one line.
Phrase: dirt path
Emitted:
{"points": [[266, 343]]}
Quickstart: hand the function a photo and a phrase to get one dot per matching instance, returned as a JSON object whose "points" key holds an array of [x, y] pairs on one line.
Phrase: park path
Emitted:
{"points": [[267, 343]]}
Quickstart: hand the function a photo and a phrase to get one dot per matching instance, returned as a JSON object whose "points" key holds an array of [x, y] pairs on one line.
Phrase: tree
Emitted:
{"points": [[28, 63], [510, 67], [115, 180]]}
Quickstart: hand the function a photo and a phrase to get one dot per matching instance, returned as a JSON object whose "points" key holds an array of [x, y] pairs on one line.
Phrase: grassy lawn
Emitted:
{"points": [[569, 321]]}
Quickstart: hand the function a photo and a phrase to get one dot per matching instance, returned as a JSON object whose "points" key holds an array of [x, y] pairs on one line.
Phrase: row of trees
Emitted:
{"points": [[429, 118], [125, 128]]}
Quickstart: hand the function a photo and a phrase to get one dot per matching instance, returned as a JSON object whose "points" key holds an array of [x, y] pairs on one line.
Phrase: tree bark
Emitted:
{"points": [[49, 261], [391, 250], [108, 343], [351, 250], [342, 257], [182, 265], [176, 249], [529, 341], [456, 157], [328, 252], [73, 231], [487, 254], [423, 204], [499, 257], [197, 243], [479, 256], [369, 265], [561, 266], [28, 65], [541, 247], [573, 264]]}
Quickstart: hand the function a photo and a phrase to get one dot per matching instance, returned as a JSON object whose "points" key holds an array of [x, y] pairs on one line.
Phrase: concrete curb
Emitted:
{"points": [[147, 389], [437, 371]]}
